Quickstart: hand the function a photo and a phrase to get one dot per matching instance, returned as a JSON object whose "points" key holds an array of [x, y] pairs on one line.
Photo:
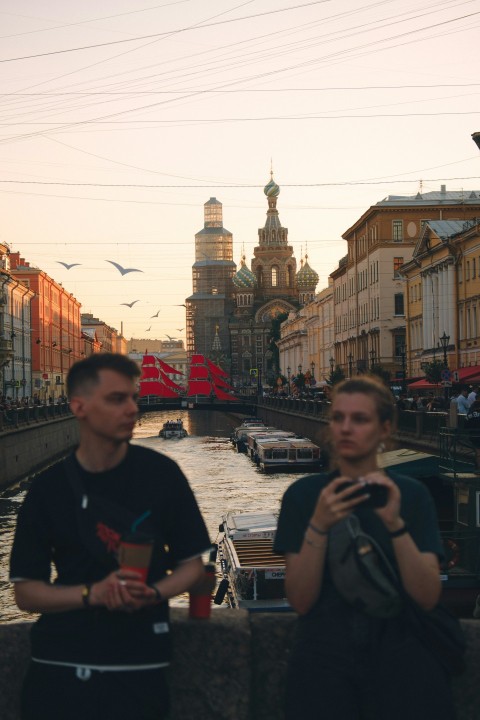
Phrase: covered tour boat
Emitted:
{"points": [[297, 454], [253, 576]]}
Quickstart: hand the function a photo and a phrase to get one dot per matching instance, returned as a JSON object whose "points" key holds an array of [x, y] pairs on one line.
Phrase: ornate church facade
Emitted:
{"points": [[253, 298]]}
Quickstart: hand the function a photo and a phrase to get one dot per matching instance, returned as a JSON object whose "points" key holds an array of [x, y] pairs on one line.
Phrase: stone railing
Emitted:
{"points": [[231, 667], [18, 417]]}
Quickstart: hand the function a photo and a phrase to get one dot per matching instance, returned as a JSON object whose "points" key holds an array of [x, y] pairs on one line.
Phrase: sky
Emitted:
{"points": [[120, 119]]}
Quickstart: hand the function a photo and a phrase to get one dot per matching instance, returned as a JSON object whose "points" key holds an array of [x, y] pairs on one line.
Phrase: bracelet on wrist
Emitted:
{"points": [[317, 530], [86, 594], [398, 533], [158, 594], [315, 545]]}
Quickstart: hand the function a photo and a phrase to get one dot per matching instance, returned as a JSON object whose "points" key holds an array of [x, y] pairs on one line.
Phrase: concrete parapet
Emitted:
{"points": [[231, 667]]}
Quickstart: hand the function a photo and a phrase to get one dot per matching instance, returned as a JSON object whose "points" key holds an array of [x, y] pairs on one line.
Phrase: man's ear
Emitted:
{"points": [[77, 406]]}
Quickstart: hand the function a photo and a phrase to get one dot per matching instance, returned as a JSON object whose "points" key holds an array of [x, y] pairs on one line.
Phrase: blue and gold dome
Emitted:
{"points": [[244, 279], [271, 189], [307, 278]]}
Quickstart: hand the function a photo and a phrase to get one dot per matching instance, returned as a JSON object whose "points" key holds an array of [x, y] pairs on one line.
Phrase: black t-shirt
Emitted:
{"points": [[145, 483]]}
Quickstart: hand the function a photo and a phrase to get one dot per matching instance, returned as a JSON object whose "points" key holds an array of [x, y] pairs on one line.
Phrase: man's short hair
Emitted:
{"points": [[85, 372]]}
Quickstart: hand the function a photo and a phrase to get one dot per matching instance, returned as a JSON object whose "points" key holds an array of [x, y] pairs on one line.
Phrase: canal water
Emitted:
{"points": [[221, 479]]}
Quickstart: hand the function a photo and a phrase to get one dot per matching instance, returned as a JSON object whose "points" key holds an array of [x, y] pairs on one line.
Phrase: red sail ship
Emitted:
{"points": [[208, 379], [155, 381]]}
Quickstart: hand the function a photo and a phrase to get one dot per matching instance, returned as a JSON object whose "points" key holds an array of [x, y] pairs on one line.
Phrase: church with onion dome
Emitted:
{"points": [[268, 290]]}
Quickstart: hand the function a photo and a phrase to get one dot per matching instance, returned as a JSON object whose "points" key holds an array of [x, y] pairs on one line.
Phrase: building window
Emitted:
{"points": [[274, 276], [397, 230], [460, 273], [398, 301], [467, 271], [397, 264], [474, 269]]}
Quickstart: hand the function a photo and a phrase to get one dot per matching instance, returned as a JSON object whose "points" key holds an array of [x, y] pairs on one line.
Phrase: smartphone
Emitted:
{"points": [[378, 494]]}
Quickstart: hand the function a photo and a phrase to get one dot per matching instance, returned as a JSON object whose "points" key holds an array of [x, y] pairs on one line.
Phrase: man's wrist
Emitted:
{"points": [[158, 595], [396, 526]]}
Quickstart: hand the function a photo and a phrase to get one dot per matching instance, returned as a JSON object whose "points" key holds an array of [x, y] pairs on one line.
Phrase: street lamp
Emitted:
{"points": [[300, 369], [444, 340], [332, 364], [403, 356], [350, 363], [372, 358], [312, 368], [289, 370]]}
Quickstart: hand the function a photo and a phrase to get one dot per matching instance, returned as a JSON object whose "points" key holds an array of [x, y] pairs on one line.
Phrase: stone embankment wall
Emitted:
{"points": [[231, 667], [30, 447]]}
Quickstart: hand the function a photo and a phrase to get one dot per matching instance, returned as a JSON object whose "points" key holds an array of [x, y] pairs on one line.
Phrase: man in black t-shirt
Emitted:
{"points": [[101, 645]]}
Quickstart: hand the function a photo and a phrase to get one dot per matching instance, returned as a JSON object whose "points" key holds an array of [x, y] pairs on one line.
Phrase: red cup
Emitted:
{"points": [[134, 553], [201, 595]]}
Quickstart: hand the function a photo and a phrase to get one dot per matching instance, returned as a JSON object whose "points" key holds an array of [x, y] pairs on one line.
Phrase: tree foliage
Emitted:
{"points": [[336, 376], [433, 371]]}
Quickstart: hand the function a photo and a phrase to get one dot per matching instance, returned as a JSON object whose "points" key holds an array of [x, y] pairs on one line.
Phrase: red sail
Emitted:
{"points": [[215, 369], [221, 383], [199, 387], [149, 372], [223, 395], [153, 387], [197, 360], [197, 372], [169, 383], [168, 368], [149, 360]]}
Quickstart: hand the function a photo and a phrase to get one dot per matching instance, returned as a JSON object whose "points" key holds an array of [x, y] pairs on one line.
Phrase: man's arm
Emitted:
{"points": [[121, 590]]}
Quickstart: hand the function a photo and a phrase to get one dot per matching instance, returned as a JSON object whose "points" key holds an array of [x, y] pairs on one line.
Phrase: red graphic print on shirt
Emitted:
{"points": [[109, 537]]}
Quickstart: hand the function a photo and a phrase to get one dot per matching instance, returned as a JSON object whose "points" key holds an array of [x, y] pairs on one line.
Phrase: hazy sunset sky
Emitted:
{"points": [[120, 119]]}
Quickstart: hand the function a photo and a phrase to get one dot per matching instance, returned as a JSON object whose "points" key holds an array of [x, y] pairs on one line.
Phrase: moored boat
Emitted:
{"points": [[173, 429], [253, 575], [298, 454]]}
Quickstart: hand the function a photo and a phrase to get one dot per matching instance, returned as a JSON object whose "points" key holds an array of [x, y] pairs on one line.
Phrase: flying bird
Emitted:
{"points": [[156, 314], [66, 265], [148, 329], [181, 305], [179, 329], [170, 338], [122, 270], [130, 305]]}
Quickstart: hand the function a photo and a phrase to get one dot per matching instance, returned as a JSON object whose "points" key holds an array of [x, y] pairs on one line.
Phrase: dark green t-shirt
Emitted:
{"points": [[417, 509]]}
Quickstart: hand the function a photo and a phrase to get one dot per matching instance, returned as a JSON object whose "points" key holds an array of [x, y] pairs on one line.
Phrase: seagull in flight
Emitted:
{"points": [[181, 305], [130, 305], [148, 329], [122, 270], [66, 265], [170, 338], [156, 314], [179, 329]]}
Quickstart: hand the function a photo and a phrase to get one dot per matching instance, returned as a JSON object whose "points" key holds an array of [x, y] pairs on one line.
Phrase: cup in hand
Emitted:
{"points": [[135, 552]]}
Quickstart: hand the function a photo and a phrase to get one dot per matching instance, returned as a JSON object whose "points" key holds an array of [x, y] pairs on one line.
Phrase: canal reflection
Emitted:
{"points": [[221, 479]]}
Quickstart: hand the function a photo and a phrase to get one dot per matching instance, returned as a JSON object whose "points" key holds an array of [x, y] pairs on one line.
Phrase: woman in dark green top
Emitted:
{"points": [[344, 664]]}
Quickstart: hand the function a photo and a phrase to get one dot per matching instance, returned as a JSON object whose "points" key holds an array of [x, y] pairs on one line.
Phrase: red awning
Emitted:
{"points": [[470, 374], [423, 385]]}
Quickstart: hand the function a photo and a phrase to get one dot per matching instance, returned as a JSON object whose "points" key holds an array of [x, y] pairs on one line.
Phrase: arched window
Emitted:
{"points": [[260, 277], [290, 276], [274, 276]]}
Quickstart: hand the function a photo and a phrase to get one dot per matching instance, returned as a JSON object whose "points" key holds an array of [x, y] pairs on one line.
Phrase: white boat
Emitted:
{"points": [[253, 576], [268, 433], [297, 454], [173, 429]]}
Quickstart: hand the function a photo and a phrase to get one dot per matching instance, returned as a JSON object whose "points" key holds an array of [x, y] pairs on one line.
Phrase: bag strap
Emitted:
{"points": [[81, 505]]}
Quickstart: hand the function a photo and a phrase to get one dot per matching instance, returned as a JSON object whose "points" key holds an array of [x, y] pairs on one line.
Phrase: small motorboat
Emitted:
{"points": [[173, 429]]}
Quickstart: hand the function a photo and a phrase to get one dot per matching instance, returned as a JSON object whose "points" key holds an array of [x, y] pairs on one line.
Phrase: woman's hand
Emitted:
{"points": [[389, 513], [334, 505]]}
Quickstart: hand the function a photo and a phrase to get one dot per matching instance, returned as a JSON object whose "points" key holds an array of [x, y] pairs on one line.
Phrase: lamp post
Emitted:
{"points": [[332, 364], [350, 364], [444, 341], [289, 370], [312, 368], [403, 356], [372, 358]]}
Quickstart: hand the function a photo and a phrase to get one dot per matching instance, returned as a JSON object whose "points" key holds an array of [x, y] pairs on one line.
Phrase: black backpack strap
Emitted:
{"points": [[81, 507]]}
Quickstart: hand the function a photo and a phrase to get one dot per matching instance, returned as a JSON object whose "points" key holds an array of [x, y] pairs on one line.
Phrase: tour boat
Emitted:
{"points": [[297, 454], [256, 435], [253, 575], [173, 429]]}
